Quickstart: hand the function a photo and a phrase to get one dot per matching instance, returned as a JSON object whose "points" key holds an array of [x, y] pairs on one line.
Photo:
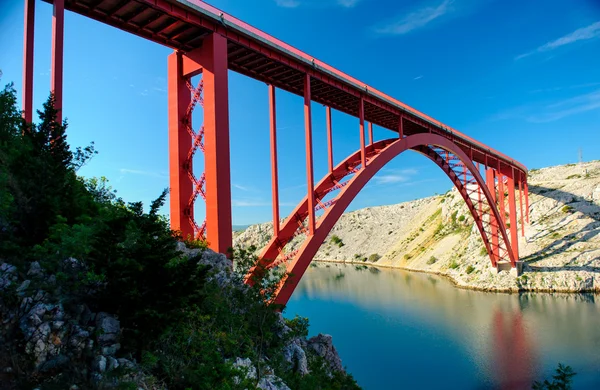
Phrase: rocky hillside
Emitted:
{"points": [[561, 247]]}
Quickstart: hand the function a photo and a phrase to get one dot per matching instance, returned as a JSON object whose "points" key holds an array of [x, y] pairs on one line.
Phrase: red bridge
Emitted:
{"points": [[208, 42]]}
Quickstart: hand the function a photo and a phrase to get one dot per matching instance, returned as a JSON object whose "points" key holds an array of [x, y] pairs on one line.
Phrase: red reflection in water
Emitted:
{"points": [[514, 353]]}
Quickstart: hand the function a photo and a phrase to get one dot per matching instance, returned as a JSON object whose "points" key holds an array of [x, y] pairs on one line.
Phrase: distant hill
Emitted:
{"points": [[561, 247]]}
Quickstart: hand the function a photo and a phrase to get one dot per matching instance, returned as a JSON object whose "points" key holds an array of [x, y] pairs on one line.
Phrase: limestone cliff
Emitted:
{"points": [[561, 247]]}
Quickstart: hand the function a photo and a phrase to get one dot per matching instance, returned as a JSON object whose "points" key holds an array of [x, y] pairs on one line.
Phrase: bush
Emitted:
{"points": [[461, 218], [407, 256], [470, 269], [483, 251], [432, 260], [337, 241], [567, 209], [453, 264], [374, 257]]}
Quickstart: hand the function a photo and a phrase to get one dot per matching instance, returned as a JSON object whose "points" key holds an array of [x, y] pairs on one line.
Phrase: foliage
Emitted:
{"points": [[567, 209], [114, 257], [337, 241], [453, 264], [576, 176], [461, 218], [432, 260], [374, 257], [470, 269], [562, 380]]}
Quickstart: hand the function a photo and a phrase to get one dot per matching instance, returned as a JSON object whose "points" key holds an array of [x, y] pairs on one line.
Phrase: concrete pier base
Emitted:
{"points": [[505, 266]]}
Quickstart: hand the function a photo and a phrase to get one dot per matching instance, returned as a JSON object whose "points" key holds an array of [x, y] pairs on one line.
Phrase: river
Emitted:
{"points": [[398, 329]]}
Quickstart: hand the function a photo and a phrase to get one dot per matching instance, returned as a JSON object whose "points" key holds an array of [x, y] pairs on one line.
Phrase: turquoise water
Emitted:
{"points": [[395, 329]]}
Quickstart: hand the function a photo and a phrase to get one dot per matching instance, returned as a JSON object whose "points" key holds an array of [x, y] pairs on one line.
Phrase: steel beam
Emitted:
{"points": [[361, 118], [56, 67], [370, 133], [526, 200], [309, 158], [27, 103], [329, 139], [501, 200], [512, 207], [274, 183], [521, 203], [180, 143], [213, 59], [490, 178]]}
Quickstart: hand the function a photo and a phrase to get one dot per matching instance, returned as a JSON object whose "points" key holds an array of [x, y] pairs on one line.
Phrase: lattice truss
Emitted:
{"points": [[287, 247], [491, 230], [198, 185]]}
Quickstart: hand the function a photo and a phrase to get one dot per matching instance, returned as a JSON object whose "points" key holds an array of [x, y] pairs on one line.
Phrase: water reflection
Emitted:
{"points": [[400, 329]]}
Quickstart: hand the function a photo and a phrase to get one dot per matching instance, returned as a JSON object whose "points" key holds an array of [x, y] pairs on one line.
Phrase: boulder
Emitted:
{"points": [[108, 328], [322, 345]]}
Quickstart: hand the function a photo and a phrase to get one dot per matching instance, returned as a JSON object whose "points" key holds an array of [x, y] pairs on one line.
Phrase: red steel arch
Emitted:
{"points": [[439, 149]]}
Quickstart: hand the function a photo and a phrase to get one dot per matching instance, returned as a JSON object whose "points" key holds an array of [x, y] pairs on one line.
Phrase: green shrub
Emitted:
{"points": [[461, 218], [453, 264], [432, 260], [576, 176], [374, 257], [567, 209], [407, 256], [337, 241], [483, 251], [470, 269]]}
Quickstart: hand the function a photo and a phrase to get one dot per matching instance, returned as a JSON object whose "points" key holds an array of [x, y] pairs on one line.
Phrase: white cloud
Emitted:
{"points": [[248, 203], [124, 171], [537, 113], [416, 19], [567, 107], [316, 3], [347, 3], [239, 187], [581, 34], [395, 176], [287, 3], [418, 77]]}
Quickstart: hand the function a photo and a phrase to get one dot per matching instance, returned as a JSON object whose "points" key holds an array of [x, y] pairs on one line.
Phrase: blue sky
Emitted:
{"points": [[522, 77]]}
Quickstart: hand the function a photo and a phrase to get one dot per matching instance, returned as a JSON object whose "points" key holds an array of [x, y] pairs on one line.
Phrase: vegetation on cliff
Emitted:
{"points": [[98, 293]]}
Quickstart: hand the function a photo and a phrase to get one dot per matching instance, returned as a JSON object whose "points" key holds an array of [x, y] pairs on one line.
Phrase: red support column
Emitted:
{"points": [[501, 202], [479, 193], [274, 184], [309, 158], [216, 146], [526, 200], [180, 143], [56, 67], [329, 139], [512, 207], [28, 60], [521, 203], [370, 133], [361, 117], [494, 225], [400, 127]]}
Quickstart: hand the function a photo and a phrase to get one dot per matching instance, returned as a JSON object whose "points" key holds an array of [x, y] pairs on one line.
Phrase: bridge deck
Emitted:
{"points": [[182, 25]]}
